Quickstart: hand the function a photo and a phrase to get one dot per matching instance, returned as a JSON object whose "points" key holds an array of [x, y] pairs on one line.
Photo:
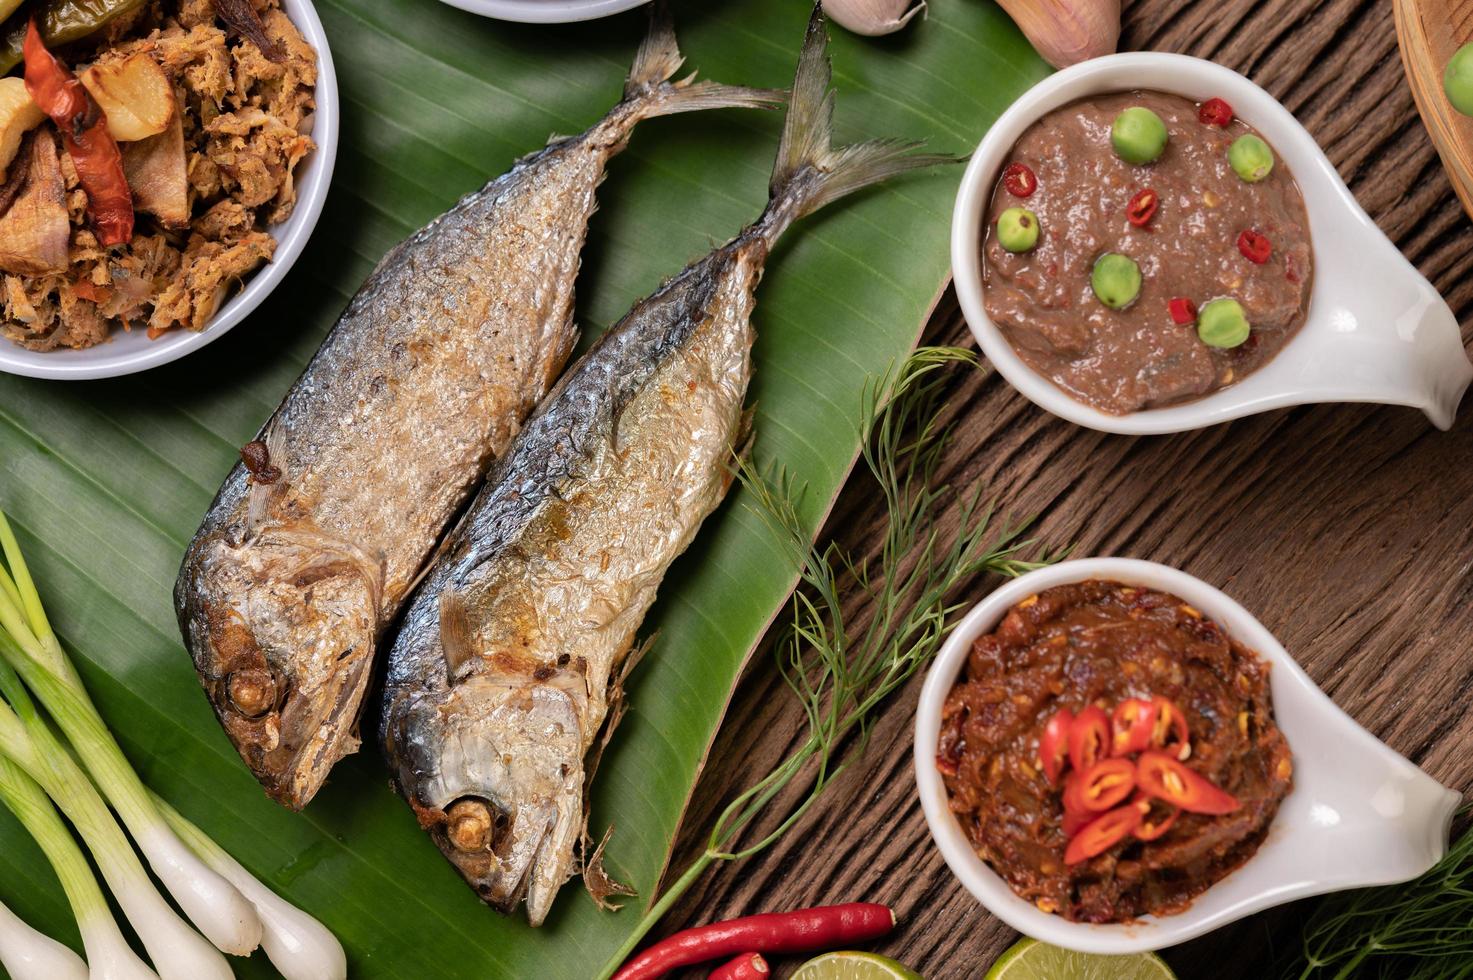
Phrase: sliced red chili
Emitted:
{"points": [[1152, 825], [1215, 112], [1053, 744], [1104, 785], [1163, 777], [1255, 247], [1076, 814], [1142, 207], [1019, 180], [1102, 833], [1089, 738], [1183, 311], [1170, 720], [1131, 726]]}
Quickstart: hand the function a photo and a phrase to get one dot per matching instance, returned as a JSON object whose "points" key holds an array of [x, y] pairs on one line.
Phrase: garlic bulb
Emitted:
{"points": [[873, 17], [1067, 32]]}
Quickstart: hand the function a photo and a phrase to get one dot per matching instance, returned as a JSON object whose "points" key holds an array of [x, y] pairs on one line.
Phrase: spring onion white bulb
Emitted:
{"points": [[109, 957], [214, 905], [30, 955], [299, 946]]}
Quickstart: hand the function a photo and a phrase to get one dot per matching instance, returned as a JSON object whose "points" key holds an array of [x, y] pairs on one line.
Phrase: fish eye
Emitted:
{"points": [[472, 823], [252, 691]]}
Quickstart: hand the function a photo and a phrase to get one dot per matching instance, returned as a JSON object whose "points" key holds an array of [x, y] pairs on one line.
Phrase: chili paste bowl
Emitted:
{"points": [[130, 351], [1376, 331], [1358, 815]]}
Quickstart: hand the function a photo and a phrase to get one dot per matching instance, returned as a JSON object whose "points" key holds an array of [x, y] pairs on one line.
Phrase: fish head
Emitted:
{"points": [[282, 631], [494, 770]]}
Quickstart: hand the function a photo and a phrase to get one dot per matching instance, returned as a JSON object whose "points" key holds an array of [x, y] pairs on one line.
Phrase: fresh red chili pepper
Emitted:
{"points": [[1142, 207], [1131, 726], [1215, 112], [1089, 738], [1103, 833], [1104, 785], [1255, 247], [826, 927], [1163, 777], [1053, 744], [748, 966], [1019, 180], [1183, 311], [1170, 720], [1150, 829], [84, 133]]}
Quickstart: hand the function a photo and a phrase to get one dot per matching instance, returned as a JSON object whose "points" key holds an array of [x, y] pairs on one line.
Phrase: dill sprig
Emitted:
{"points": [[841, 674], [1418, 930]]}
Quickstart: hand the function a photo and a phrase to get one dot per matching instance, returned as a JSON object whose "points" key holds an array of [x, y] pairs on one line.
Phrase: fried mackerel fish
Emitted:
{"points": [[511, 653], [1111, 752], [316, 537]]}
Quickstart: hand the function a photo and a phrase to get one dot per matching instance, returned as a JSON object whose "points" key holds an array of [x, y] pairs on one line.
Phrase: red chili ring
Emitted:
{"points": [[1256, 248], [1215, 112], [1142, 207], [1019, 180], [1183, 311]]}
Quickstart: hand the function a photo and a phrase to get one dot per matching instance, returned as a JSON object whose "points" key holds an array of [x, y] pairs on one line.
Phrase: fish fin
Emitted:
{"points": [[596, 879], [810, 171], [455, 632], [658, 60]]}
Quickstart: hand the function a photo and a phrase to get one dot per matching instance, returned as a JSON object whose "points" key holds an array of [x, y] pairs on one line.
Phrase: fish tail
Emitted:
{"points": [[810, 171], [658, 60]]}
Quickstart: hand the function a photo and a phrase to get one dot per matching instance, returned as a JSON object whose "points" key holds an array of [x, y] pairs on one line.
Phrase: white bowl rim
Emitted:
{"points": [[1114, 938], [126, 353], [545, 11]]}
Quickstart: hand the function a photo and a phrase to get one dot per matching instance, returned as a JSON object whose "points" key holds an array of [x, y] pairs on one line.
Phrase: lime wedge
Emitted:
{"points": [[1033, 960], [854, 966]]}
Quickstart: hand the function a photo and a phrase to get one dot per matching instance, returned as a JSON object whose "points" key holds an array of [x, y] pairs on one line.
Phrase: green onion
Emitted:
{"points": [[26, 954], [214, 905]]}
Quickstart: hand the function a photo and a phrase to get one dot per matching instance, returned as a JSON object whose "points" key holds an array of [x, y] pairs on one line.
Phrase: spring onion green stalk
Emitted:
{"points": [[30, 955], [299, 946], [109, 957], [177, 951], [214, 905]]}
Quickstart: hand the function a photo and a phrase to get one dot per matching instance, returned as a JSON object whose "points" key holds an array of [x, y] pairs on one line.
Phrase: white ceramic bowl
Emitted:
{"points": [[545, 11], [1376, 330], [128, 352], [1358, 815]]}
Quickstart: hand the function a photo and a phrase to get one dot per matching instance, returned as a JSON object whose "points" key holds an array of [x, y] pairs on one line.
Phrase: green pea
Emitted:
{"points": [[1017, 229], [1457, 81], [1222, 323], [1116, 280], [1251, 158], [1138, 135]]}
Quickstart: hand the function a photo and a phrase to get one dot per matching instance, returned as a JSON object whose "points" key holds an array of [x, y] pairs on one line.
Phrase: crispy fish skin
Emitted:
{"points": [[500, 677], [315, 540]]}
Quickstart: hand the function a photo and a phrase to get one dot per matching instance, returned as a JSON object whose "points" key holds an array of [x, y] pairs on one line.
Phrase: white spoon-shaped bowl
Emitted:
{"points": [[1376, 331], [1358, 815]]}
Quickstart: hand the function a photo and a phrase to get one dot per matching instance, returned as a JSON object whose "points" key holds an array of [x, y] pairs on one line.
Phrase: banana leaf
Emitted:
{"points": [[107, 481]]}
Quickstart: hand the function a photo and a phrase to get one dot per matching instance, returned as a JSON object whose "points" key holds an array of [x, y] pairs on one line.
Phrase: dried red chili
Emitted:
{"points": [[1089, 738], [1142, 207], [1255, 247], [1161, 776], [1152, 829], [1053, 744], [84, 133], [1215, 112], [1019, 180], [1104, 785], [1183, 311], [1131, 726], [1103, 833]]}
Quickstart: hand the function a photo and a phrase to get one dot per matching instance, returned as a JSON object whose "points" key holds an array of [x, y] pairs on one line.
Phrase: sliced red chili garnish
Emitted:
{"points": [[1076, 814], [1131, 726], [1105, 784], [1153, 827], [1142, 207], [1255, 247], [1163, 777], [1170, 720], [1102, 833], [1215, 112], [1019, 180], [1053, 744], [1089, 738], [1183, 311]]}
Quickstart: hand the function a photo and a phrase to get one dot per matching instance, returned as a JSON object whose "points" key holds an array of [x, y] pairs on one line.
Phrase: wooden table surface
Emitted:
{"points": [[1347, 529]]}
